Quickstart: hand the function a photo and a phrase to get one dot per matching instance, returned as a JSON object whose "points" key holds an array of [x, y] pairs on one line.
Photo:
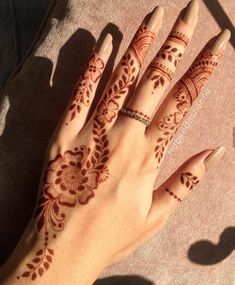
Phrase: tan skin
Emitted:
{"points": [[97, 201]]}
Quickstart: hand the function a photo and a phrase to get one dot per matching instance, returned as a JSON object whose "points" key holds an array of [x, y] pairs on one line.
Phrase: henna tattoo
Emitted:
{"points": [[142, 42], [108, 107], [170, 54], [161, 75], [189, 180], [186, 91], [70, 179], [173, 195], [82, 92], [179, 38]]}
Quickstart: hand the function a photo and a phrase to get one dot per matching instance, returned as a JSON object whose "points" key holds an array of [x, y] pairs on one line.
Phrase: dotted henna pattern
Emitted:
{"points": [[170, 54], [173, 195], [187, 90], [109, 107], [142, 42]]}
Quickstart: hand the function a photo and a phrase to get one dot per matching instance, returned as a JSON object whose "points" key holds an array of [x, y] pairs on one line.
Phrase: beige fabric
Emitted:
{"points": [[34, 100]]}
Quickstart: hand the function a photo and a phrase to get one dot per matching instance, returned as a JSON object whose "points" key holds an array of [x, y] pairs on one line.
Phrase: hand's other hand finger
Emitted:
{"points": [[160, 71], [181, 183], [179, 100], [126, 72], [83, 94]]}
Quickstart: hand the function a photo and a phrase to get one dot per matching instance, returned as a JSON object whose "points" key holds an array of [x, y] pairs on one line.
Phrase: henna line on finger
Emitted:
{"points": [[187, 90], [173, 195]]}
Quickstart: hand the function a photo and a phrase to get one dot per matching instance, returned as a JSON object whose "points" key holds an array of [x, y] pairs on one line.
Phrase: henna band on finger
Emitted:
{"points": [[139, 116]]}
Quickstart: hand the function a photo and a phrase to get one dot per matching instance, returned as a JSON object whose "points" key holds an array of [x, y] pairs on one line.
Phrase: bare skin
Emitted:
{"points": [[97, 201]]}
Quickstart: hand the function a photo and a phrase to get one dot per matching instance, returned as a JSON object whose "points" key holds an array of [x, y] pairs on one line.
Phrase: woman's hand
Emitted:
{"points": [[97, 200]]}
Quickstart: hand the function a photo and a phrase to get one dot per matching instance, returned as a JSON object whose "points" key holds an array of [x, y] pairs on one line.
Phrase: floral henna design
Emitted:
{"points": [[108, 107], [173, 195], [189, 180], [70, 179], [170, 54], [187, 90], [83, 90]]}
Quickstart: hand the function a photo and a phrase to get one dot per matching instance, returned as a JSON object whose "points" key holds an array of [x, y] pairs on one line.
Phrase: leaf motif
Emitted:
{"points": [[170, 57], [36, 260], [156, 84], [187, 183], [40, 271], [162, 81], [34, 276], [26, 274], [182, 179], [51, 251], [30, 266], [40, 252], [167, 47], [163, 55], [48, 258], [174, 49], [46, 265]]}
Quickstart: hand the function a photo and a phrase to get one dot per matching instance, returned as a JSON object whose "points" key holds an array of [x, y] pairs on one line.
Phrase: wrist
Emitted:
{"points": [[71, 261]]}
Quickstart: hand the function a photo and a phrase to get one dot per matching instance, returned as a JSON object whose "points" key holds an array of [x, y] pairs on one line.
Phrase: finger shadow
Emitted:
{"points": [[124, 280], [37, 98], [205, 252]]}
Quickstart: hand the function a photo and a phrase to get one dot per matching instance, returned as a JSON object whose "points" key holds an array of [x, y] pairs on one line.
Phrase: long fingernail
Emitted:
{"points": [[155, 20], [221, 41], [106, 45], [213, 158], [191, 13]]}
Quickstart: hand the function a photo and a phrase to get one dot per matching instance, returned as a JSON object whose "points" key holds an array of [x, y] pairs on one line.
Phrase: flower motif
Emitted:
{"points": [[69, 174], [95, 67], [107, 111]]}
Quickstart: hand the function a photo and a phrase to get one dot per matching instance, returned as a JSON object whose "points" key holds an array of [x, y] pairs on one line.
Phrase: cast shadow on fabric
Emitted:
{"points": [[34, 112], [204, 252]]}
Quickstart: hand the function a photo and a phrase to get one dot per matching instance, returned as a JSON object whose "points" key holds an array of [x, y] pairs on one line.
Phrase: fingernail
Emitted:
{"points": [[221, 41], [213, 158], [155, 20], [106, 45], [191, 13]]}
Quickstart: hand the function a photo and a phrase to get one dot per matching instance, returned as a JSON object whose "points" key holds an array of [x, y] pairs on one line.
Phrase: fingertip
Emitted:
{"points": [[106, 46]]}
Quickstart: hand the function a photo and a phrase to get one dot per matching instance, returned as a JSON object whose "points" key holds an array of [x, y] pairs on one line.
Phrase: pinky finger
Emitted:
{"points": [[181, 183]]}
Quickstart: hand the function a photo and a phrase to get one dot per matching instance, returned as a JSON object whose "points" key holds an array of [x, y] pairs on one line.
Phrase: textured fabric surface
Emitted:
{"points": [[195, 247], [19, 21]]}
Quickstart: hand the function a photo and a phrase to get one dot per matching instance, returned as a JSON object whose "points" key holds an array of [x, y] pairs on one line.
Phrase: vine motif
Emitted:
{"points": [[84, 88], [187, 90], [108, 108], [189, 180], [77, 175]]}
